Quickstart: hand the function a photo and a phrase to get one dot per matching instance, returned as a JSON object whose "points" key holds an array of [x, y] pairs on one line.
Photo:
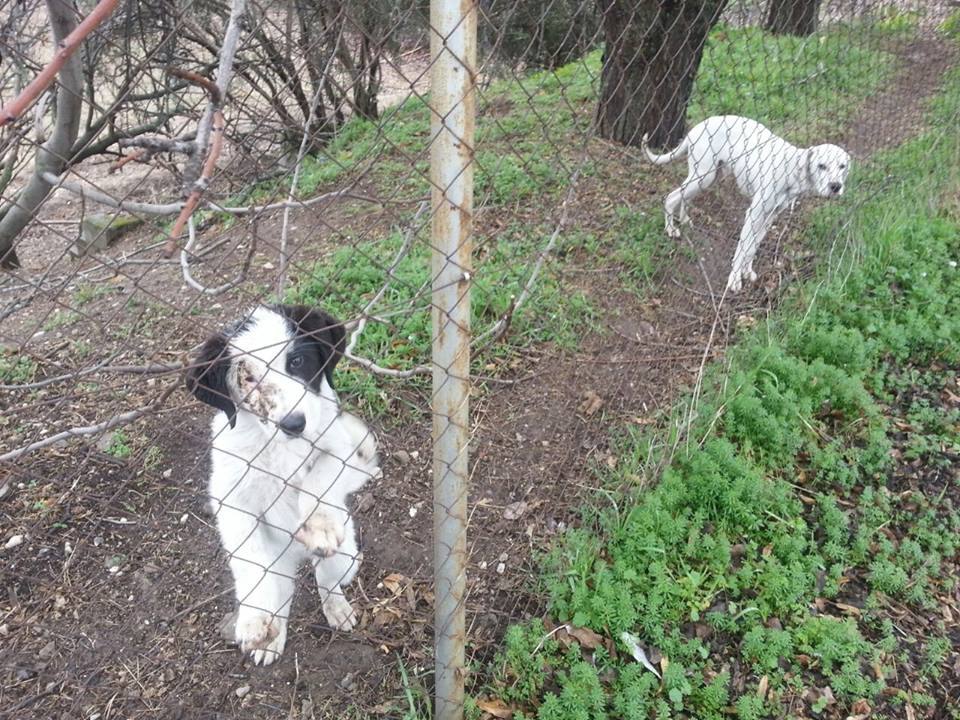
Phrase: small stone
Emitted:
{"points": [[166, 474], [402, 457], [227, 627], [413, 511], [47, 651], [242, 691], [67, 548], [4, 630], [501, 568], [515, 510], [184, 518], [483, 565], [503, 557], [13, 542], [347, 682], [365, 502], [415, 455]]}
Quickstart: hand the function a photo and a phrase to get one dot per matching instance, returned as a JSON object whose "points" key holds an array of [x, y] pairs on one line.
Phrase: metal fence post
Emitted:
{"points": [[453, 105]]}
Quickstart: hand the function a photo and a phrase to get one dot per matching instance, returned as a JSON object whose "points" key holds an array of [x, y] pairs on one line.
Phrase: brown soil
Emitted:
{"points": [[124, 621]]}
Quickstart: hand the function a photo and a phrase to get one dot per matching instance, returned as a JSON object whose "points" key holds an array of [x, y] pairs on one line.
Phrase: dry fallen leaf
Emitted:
{"points": [[762, 687], [496, 707], [590, 403], [393, 581], [848, 609], [515, 510], [585, 636]]}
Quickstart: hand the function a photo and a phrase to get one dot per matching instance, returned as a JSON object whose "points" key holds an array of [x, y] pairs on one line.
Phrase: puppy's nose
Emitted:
{"points": [[293, 424], [835, 188]]}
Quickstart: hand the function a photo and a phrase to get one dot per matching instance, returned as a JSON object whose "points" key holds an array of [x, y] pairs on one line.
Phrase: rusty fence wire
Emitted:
{"points": [[288, 284]]}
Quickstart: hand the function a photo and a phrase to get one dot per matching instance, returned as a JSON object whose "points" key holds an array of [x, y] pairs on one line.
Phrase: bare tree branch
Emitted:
{"points": [[185, 265], [175, 207], [52, 155], [68, 43]]}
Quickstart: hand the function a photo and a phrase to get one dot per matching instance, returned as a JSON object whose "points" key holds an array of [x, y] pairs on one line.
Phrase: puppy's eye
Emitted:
{"points": [[822, 166], [843, 167], [296, 362]]}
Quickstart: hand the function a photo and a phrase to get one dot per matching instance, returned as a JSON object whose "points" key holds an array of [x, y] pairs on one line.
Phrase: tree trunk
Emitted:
{"points": [[54, 153], [793, 17], [652, 53]]}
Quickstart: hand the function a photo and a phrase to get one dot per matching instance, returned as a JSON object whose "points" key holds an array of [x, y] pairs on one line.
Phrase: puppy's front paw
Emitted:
{"points": [[321, 533], [339, 612], [262, 636]]}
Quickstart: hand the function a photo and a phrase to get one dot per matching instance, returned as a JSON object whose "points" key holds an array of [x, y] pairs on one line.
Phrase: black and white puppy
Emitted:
{"points": [[285, 458]]}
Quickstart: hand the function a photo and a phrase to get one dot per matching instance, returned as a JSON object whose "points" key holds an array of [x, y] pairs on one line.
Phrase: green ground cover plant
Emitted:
{"points": [[794, 556]]}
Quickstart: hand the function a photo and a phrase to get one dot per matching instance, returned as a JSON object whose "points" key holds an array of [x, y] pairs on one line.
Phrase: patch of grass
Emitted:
{"points": [[784, 81], [345, 281], [17, 369], [121, 446], [529, 138], [88, 292], [794, 511], [951, 25], [60, 318]]}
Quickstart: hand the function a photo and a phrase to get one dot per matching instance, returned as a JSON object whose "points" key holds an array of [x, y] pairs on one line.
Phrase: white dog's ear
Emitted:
{"points": [[207, 377], [321, 335]]}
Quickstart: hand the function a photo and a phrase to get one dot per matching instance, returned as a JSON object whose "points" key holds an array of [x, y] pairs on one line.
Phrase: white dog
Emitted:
{"points": [[768, 169], [285, 458]]}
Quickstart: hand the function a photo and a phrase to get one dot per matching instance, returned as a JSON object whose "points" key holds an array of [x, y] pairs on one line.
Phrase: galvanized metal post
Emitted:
{"points": [[453, 107]]}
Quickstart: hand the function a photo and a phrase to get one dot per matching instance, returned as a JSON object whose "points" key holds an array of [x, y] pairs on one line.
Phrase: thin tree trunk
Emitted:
{"points": [[652, 53], [54, 153], [793, 17]]}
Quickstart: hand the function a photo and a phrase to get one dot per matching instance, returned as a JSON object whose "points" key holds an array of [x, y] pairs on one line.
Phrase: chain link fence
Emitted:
{"points": [[339, 222]]}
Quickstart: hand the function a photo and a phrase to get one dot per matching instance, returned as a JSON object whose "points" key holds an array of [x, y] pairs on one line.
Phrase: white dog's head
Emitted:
{"points": [[827, 168], [277, 365]]}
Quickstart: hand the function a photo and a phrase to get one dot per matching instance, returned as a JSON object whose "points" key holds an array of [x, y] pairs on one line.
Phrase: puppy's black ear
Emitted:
{"points": [[322, 333], [207, 377]]}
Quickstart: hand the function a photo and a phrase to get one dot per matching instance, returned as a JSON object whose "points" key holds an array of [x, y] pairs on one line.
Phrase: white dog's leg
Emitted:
{"points": [[759, 217], [264, 566], [264, 589], [334, 572], [675, 206]]}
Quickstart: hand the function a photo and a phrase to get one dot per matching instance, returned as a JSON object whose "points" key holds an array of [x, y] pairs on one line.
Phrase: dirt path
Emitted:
{"points": [[124, 621]]}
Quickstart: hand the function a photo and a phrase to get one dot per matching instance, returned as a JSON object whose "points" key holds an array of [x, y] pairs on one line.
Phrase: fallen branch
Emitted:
{"points": [[156, 369], [116, 421], [68, 46], [155, 145], [175, 207], [185, 266]]}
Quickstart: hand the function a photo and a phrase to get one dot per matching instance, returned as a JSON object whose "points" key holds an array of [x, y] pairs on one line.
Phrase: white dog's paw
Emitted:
{"points": [[751, 275], [262, 636], [672, 228], [339, 612], [321, 533]]}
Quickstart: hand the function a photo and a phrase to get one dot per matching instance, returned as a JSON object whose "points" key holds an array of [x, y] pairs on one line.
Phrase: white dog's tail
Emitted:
{"points": [[679, 151]]}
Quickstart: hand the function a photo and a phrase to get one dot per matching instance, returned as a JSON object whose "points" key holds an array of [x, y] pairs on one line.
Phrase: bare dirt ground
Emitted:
{"points": [[113, 600]]}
